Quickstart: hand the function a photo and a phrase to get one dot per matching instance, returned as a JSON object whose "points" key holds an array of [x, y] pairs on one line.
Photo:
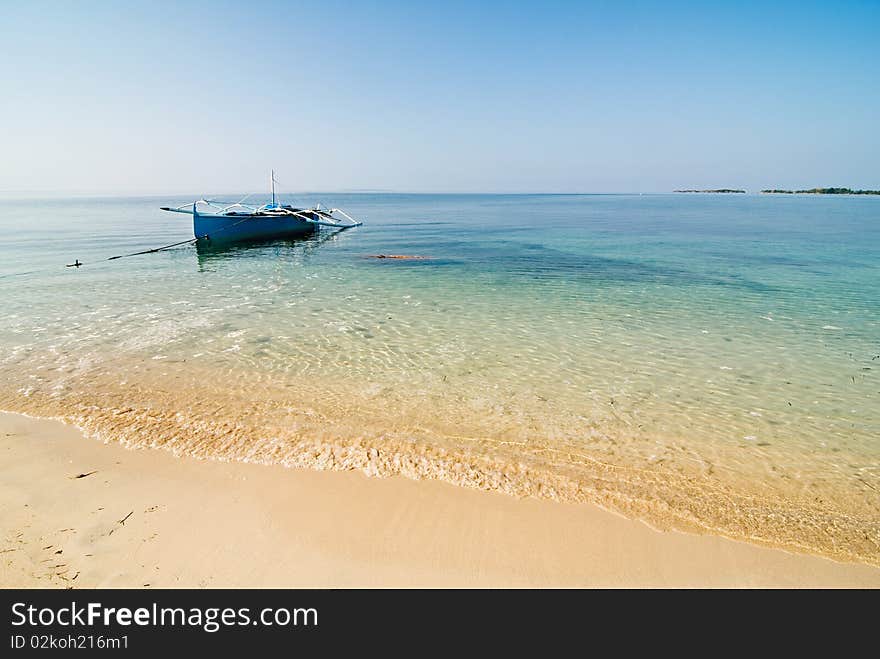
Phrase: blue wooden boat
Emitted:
{"points": [[217, 223]]}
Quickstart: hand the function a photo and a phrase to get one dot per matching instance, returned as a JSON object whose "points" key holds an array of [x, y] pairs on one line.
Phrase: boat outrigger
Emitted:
{"points": [[222, 223]]}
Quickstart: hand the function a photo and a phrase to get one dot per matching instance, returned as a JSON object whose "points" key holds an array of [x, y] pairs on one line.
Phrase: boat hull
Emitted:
{"points": [[219, 229]]}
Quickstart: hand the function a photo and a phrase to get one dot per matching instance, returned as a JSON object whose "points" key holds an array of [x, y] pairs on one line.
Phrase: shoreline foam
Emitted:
{"points": [[210, 524], [267, 431]]}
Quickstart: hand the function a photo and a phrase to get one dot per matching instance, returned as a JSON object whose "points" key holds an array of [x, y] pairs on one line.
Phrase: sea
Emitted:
{"points": [[708, 363]]}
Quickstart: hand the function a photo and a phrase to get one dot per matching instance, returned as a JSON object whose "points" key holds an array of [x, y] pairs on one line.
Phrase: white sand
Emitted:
{"points": [[213, 524]]}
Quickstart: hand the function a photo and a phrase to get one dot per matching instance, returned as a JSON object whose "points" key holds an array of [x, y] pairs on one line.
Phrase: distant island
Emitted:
{"points": [[724, 190], [775, 191], [822, 191]]}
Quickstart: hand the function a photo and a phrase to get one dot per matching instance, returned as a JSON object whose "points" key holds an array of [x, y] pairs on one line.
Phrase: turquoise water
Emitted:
{"points": [[706, 362]]}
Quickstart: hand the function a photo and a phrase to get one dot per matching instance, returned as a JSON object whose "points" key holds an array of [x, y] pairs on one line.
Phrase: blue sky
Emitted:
{"points": [[499, 97]]}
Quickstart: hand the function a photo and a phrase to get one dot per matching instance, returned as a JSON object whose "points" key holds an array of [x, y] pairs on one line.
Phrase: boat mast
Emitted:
{"points": [[273, 188]]}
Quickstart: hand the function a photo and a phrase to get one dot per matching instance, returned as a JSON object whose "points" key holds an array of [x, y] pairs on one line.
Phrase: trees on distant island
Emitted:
{"points": [[822, 191], [776, 191]]}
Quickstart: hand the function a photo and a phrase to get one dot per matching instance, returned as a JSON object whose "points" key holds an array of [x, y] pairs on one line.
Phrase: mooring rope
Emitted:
{"points": [[149, 251], [182, 242]]}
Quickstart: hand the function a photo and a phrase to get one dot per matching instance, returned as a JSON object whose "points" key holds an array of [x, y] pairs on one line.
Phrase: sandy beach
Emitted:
{"points": [[78, 513]]}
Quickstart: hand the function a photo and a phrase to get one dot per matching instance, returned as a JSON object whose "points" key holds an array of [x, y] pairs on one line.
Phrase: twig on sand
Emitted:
{"points": [[121, 522], [868, 484], [88, 473]]}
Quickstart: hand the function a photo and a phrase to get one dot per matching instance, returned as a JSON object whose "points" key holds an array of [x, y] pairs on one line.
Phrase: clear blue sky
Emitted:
{"points": [[505, 96]]}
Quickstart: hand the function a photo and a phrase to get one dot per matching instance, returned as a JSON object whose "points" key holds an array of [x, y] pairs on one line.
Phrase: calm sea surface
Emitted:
{"points": [[705, 362]]}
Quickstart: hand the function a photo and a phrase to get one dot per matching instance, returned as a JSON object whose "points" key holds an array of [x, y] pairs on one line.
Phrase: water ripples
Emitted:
{"points": [[654, 336]]}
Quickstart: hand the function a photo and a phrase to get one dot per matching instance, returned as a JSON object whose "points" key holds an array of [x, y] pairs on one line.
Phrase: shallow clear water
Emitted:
{"points": [[705, 362]]}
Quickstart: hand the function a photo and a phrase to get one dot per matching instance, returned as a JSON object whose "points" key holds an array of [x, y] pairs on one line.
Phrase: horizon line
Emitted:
{"points": [[67, 194]]}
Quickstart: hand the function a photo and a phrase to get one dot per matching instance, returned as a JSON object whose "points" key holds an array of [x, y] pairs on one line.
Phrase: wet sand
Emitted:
{"points": [[144, 518]]}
